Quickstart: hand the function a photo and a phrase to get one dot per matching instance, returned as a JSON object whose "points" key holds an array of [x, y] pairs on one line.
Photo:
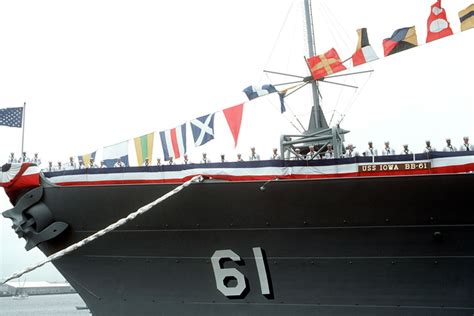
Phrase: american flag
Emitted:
{"points": [[11, 117]]}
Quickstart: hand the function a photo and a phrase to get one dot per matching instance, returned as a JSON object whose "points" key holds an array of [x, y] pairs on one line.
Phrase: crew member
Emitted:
{"points": [[329, 152], [12, 158], [205, 159], [275, 155], [223, 158], [312, 155], [186, 160], [119, 163], [466, 146], [298, 155], [350, 152], [253, 155], [449, 147], [405, 150], [239, 158], [171, 161], [36, 160], [387, 151], [71, 165], [371, 151], [92, 164], [158, 162], [146, 163], [23, 158], [428, 148]]}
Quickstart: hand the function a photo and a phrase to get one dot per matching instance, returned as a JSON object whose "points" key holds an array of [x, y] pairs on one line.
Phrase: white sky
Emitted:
{"points": [[94, 73]]}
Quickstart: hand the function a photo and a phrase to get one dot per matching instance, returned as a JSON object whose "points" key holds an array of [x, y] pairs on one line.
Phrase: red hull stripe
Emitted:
{"points": [[439, 170]]}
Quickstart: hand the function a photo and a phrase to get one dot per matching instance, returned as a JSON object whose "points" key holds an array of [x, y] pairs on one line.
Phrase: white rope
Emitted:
{"points": [[104, 231]]}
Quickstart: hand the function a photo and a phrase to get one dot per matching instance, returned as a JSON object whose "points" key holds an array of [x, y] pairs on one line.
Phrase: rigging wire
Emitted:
{"points": [[278, 37]]}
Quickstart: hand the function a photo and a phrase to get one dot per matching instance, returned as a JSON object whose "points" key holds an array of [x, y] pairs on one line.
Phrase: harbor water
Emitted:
{"points": [[43, 305]]}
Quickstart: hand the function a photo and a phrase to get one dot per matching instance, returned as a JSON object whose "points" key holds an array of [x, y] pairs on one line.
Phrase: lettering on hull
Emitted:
{"points": [[395, 167], [227, 276]]}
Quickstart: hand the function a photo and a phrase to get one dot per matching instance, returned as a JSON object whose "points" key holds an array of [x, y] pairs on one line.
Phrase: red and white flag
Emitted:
{"points": [[174, 142], [438, 25]]}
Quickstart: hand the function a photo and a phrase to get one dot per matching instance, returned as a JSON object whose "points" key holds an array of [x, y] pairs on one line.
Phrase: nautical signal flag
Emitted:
{"points": [[402, 39], [144, 148], [113, 153], [364, 52], [86, 159], [253, 92], [11, 117], [438, 25], [325, 64], [203, 129], [173, 142], [233, 115], [466, 17]]}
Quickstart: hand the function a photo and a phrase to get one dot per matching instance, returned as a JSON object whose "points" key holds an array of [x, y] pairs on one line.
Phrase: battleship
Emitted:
{"points": [[365, 235]]}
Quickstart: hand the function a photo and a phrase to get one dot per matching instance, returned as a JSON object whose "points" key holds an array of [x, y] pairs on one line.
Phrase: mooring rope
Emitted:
{"points": [[104, 231]]}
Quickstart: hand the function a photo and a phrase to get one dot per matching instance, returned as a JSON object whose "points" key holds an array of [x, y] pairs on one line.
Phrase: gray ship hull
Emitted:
{"points": [[358, 246]]}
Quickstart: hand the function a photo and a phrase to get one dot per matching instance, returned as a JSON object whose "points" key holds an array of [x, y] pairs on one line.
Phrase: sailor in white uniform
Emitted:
{"points": [[158, 162], [186, 160], [23, 158], [205, 159], [329, 152], [60, 166], [92, 164], [387, 151], [50, 166], [298, 155], [223, 158], [371, 151], [36, 160], [449, 147], [253, 155], [275, 155], [12, 158], [466, 146], [405, 150], [350, 152], [428, 148], [146, 163], [312, 155], [239, 158], [118, 164], [171, 161], [71, 165]]}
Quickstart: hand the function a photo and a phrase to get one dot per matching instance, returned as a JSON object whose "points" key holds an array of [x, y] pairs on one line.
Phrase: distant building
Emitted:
{"points": [[35, 288]]}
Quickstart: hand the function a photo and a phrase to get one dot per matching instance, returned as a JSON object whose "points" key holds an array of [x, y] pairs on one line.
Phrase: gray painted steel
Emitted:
{"points": [[362, 246]]}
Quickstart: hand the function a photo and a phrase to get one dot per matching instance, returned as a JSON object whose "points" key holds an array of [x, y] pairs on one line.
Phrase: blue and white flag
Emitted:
{"points": [[203, 129], [253, 92], [11, 117], [174, 142], [115, 152]]}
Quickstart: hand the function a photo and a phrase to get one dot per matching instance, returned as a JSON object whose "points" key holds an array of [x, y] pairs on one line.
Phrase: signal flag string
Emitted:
{"points": [[100, 233]]}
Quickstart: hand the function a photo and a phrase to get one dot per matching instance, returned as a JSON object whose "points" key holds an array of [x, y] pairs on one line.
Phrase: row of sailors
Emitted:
{"points": [[254, 156], [24, 158]]}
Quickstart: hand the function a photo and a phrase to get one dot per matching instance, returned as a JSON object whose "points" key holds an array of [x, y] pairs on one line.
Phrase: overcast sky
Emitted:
{"points": [[94, 73]]}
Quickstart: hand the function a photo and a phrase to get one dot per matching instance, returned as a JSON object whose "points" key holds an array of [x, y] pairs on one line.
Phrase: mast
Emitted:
{"points": [[317, 120]]}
